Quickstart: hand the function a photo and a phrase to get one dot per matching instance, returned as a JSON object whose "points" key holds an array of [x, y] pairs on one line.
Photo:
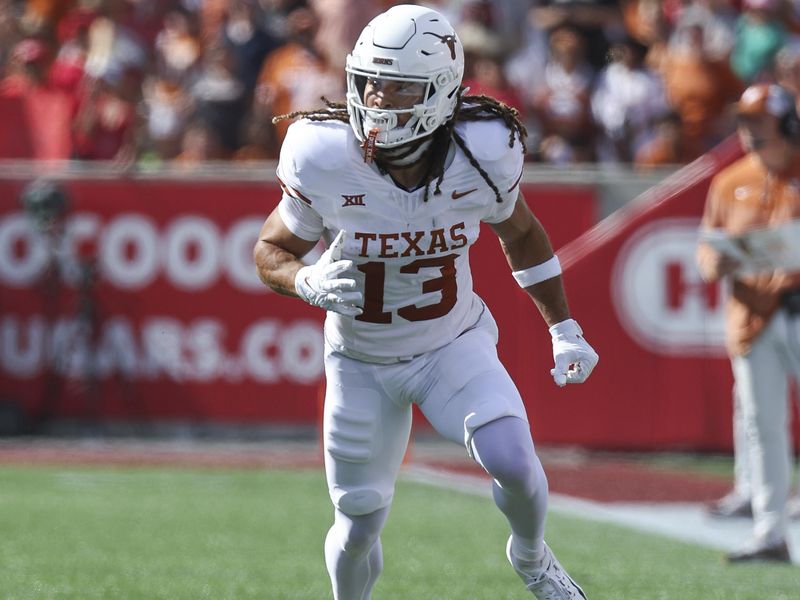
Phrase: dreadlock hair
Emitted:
{"points": [[468, 108]]}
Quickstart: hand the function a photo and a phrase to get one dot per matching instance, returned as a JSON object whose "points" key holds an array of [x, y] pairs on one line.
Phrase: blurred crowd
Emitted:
{"points": [[147, 82]]}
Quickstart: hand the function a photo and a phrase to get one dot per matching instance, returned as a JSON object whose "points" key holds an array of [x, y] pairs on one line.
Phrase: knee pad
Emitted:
{"points": [[359, 502]]}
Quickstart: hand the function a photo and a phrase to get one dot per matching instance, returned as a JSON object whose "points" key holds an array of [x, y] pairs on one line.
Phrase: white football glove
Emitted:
{"points": [[320, 285], [574, 357]]}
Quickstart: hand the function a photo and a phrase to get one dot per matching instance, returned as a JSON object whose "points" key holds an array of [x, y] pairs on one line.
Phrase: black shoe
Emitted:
{"points": [[777, 553], [730, 506]]}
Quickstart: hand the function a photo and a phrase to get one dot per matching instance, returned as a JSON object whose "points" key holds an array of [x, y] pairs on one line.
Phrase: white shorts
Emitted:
{"points": [[367, 419]]}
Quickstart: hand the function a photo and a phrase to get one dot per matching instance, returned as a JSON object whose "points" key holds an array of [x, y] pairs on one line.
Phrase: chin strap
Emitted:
{"points": [[406, 155], [369, 145]]}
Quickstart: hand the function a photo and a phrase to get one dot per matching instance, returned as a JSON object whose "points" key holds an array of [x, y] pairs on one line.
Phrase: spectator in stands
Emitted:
{"points": [[219, 96], [211, 15], [106, 124], [28, 68], [284, 58], [296, 75], [787, 67], [29, 95], [793, 16], [259, 139], [673, 8], [760, 33], [667, 146], [717, 21], [526, 68], [249, 42], [168, 108], [626, 100], [68, 68], [483, 71], [9, 31], [763, 307], [506, 19], [200, 144], [274, 16], [699, 85], [177, 46], [644, 21], [526, 64], [340, 23], [43, 15], [114, 50], [486, 77], [561, 100], [599, 22], [145, 18]]}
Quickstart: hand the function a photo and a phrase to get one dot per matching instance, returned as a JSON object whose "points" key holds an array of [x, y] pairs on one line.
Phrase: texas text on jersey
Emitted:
{"points": [[411, 256]]}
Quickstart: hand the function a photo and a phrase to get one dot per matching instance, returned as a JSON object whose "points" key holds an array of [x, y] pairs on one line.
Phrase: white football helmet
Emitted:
{"points": [[410, 44]]}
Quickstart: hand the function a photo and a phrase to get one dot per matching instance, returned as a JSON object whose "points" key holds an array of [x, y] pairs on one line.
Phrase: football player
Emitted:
{"points": [[397, 181]]}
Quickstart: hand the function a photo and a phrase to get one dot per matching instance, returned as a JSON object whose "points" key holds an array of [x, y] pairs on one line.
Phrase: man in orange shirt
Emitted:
{"points": [[737, 502], [699, 85], [763, 309]]}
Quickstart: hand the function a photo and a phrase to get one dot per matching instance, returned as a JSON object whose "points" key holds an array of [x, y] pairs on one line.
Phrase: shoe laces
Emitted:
{"points": [[551, 585]]}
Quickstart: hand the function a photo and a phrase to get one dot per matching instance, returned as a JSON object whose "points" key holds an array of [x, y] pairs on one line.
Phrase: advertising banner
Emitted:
{"points": [[663, 380], [142, 303]]}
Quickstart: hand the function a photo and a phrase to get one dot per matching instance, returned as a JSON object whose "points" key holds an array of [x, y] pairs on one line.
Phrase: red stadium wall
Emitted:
{"points": [[181, 327], [184, 331], [663, 380]]}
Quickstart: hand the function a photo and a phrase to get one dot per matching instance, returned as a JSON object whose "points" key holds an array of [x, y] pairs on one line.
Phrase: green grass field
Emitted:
{"points": [[92, 533]]}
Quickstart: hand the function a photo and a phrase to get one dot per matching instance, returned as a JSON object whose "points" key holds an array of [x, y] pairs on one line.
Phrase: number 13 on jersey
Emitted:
{"points": [[375, 279]]}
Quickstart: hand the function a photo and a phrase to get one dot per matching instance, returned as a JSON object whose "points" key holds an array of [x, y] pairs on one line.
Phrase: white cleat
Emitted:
{"points": [[551, 583]]}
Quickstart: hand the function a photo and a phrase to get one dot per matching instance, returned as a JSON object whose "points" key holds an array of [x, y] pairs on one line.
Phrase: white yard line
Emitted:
{"points": [[685, 522]]}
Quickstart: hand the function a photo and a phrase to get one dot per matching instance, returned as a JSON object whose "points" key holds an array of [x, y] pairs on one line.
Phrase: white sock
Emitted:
{"points": [[353, 554], [530, 554], [505, 449]]}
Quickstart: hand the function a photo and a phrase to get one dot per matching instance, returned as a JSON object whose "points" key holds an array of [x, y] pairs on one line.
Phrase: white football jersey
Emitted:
{"points": [[411, 257]]}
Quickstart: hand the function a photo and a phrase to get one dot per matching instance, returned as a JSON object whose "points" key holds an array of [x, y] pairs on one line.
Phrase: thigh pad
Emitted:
{"points": [[350, 434]]}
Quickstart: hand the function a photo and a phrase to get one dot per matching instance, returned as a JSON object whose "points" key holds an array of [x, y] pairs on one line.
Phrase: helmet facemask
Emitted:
{"points": [[409, 46], [423, 111]]}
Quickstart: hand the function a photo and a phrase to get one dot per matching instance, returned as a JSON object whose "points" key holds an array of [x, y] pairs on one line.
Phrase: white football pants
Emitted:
{"points": [[762, 394], [468, 397], [741, 453]]}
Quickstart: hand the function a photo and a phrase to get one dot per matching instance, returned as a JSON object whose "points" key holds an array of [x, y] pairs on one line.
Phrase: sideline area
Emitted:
{"points": [[606, 488], [683, 521]]}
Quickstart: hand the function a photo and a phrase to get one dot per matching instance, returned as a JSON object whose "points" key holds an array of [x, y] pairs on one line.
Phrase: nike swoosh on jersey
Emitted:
{"points": [[456, 195]]}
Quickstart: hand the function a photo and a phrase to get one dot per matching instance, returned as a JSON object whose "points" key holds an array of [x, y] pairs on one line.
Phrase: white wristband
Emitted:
{"points": [[538, 273]]}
